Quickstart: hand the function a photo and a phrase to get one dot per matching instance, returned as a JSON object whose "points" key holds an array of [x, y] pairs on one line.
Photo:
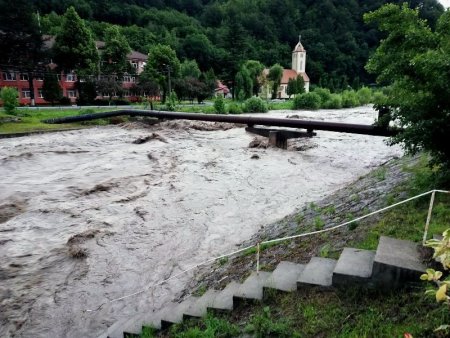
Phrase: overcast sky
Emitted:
{"points": [[446, 3]]}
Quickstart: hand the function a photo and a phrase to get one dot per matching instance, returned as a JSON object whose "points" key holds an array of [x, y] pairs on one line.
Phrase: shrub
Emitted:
{"points": [[65, 101], [324, 93], [335, 102], [171, 103], [307, 101], [120, 102], [364, 95], [219, 105], [234, 108], [101, 102], [9, 97], [255, 105], [349, 99]]}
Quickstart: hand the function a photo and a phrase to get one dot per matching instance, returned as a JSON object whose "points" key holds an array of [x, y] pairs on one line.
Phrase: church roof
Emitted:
{"points": [[292, 74], [299, 48]]}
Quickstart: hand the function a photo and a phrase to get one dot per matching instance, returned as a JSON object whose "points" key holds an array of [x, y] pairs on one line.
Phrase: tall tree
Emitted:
{"points": [[255, 69], [414, 60], [162, 66], [189, 68], [51, 90], [20, 39], [275, 75], [114, 55], [74, 47]]}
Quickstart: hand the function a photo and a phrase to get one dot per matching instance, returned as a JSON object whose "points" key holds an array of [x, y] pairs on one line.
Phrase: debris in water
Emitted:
{"points": [[145, 139], [255, 157], [77, 252], [258, 143], [82, 237]]}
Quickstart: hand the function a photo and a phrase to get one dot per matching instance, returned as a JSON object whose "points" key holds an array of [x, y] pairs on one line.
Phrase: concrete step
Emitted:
{"points": [[318, 272], [252, 288], [116, 330], [396, 262], [284, 277], [353, 266], [173, 312], [198, 309], [224, 299]]}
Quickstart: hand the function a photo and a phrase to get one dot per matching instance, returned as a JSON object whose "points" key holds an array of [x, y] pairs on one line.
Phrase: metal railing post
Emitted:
{"points": [[427, 224]]}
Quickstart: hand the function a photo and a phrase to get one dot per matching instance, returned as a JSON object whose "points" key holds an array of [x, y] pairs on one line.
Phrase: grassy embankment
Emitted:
{"points": [[30, 119], [351, 312]]}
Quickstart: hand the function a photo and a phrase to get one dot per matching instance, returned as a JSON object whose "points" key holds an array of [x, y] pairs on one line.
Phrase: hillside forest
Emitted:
{"points": [[222, 34]]}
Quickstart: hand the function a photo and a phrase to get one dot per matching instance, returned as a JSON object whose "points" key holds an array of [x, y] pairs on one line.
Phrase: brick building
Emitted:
{"points": [[12, 77]]}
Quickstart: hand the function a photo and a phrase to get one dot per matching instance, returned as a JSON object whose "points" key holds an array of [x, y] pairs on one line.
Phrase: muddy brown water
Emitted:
{"points": [[135, 214]]}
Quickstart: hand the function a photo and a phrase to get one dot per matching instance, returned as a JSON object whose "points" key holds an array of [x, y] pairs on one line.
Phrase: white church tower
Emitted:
{"points": [[299, 57]]}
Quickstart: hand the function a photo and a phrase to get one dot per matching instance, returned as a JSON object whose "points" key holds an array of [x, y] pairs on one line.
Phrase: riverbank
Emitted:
{"points": [[336, 313]]}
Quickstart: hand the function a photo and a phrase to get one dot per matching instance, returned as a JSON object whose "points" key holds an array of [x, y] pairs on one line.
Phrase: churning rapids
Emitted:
{"points": [[140, 213]]}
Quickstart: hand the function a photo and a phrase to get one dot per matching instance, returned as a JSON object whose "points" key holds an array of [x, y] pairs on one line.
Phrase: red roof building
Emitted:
{"points": [[298, 69], [13, 77]]}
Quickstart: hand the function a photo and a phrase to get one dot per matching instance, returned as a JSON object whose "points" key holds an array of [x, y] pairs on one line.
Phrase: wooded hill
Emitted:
{"points": [[220, 34]]}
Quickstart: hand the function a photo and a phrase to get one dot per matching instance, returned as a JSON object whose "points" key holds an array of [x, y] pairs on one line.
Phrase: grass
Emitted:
{"points": [[349, 312], [30, 120]]}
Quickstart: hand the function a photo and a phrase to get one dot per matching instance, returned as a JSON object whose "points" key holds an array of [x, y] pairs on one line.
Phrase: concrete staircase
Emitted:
{"points": [[395, 263]]}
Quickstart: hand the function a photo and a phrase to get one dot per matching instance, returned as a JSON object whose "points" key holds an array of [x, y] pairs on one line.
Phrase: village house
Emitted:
{"points": [[13, 77], [298, 69]]}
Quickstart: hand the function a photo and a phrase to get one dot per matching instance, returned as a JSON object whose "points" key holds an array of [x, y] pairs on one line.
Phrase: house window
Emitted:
{"points": [[24, 77], [39, 77], [126, 93], [9, 76], [40, 94], [70, 78], [134, 64], [26, 93], [71, 94]]}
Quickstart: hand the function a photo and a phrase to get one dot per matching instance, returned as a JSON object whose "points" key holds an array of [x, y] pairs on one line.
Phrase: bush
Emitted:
{"points": [[334, 102], [307, 101], [65, 101], [171, 103], [219, 105], [364, 95], [9, 97], [255, 105], [324, 93], [120, 102], [349, 99], [101, 102], [234, 108]]}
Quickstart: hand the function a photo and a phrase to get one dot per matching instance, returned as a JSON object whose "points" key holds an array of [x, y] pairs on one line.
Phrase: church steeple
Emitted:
{"points": [[299, 57]]}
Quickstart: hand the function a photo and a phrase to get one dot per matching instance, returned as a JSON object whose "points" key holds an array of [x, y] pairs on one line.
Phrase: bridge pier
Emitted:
{"points": [[277, 139]]}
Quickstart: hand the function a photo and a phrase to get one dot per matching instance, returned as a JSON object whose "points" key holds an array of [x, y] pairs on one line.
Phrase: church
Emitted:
{"points": [[298, 68]]}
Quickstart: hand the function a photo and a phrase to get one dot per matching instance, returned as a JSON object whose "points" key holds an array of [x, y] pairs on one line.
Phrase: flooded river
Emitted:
{"points": [[88, 216]]}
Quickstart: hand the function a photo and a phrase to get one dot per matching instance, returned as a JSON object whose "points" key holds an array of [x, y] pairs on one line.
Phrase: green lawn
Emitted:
{"points": [[30, 120]]}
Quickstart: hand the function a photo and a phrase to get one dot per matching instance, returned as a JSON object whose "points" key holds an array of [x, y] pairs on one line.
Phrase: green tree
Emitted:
{"points": [[414, 60], [244, 84], [74, 47], [9, 97], [20, 39], [255, 70], [114, 55], [300, 85], [162, 63], [291, 87], [275, 75], [51, 90], [189, 68], [108, 86]]}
